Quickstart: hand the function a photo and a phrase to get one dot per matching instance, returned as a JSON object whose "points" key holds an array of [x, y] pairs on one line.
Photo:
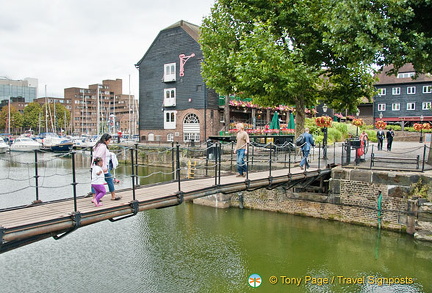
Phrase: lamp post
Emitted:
{"points": [[357, 115], [324, 108], [421, 129], [380, 115]]}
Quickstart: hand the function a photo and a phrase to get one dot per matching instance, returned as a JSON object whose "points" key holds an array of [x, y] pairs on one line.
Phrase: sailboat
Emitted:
{"points": [[55, 143]]}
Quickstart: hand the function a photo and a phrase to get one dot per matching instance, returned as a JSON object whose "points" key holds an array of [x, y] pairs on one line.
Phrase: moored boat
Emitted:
{"points": [[54, 143], [4, 147], [24, 144]]}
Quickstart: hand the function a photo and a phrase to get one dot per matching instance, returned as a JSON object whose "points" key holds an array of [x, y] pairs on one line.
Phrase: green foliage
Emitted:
{"points": [[16, 118], [277, 53], [421, 189], [341, 127], [382, 32], [32, 115], [335, 135], [372, 135]]}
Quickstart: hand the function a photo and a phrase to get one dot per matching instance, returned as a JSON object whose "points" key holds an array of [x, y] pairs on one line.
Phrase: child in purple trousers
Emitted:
{"points": [[98, 180]]}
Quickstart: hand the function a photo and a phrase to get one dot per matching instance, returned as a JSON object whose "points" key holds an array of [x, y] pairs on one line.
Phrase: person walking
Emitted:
{"points": [[380, 137], [101, 150], [241, 149], [389, 136], [306, 147], [98, 181]]}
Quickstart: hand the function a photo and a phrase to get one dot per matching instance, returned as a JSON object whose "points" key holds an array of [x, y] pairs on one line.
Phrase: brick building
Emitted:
{"points": [[101, 108]]}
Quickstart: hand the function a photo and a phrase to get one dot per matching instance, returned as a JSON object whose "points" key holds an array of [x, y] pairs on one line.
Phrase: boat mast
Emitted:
{"points": [[130, 121], [98, 111], [46, 110]]}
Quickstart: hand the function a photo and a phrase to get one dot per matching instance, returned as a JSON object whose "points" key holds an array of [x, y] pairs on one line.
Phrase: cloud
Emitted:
{"points": [[74, 43]]}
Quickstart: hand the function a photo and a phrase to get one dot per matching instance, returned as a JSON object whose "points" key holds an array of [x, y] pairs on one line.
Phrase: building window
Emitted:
{"points": [[169, 72], [427, 89], [191, 128], [411, 90], [396, 91], [382, 92], [426, 105], [169, 97], [410, 106], [170, 137], [170, 119], [405, 74], [396, 107], [381, 107]]}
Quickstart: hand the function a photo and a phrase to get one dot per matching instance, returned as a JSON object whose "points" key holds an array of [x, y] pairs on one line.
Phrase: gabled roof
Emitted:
{"points": [[191, 29], [393, 79]]}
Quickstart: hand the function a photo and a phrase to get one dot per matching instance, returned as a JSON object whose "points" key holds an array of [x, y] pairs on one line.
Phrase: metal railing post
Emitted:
{"points": [[220, 161], [424, 157], [136, 165], [178, 166], [133, 173], [247, 161], [334, 153], [319, 156], [253, 156], [371, 157], [172, 160], [216, 156], [232, 154], [289, 162], [270, 159], [36, 177], [74, 182]]}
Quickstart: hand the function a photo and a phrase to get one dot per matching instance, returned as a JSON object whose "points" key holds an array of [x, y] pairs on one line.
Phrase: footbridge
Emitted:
{"points": [[269, 168]]}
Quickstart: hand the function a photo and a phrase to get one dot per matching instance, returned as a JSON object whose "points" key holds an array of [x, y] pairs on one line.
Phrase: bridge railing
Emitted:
{"points": [[212, 159]]}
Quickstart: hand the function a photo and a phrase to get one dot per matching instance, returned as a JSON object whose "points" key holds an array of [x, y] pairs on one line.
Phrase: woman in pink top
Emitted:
{"points": [[101, 150]]}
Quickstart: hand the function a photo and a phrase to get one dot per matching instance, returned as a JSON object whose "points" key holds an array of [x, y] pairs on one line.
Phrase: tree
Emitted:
{"points": [[383, 32], [16, 119], [276, 52], [32, 116]]}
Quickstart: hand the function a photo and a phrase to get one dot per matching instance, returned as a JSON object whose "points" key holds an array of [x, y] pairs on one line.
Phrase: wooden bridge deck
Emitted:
{"points": [[24, 225]]}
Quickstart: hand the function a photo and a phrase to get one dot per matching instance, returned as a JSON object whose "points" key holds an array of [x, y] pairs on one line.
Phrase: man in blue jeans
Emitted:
{"points": [[241, 149], [306, 147]]}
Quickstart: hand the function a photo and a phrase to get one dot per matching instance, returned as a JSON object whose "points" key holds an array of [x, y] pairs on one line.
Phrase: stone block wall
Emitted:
{"points": [[352, 198]]}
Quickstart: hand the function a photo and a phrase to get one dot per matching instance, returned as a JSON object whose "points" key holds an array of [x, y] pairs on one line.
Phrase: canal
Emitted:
{"points": [[191, 248]]}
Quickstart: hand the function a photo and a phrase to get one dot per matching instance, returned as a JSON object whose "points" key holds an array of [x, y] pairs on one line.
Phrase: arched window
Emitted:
{"points": [[191, 128]]}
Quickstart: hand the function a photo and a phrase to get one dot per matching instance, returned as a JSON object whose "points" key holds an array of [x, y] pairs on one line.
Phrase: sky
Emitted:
{"points": [[75, 43]]}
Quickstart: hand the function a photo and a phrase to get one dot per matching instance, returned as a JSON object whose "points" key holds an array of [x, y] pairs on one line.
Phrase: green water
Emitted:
{"points": [[192, 248]]}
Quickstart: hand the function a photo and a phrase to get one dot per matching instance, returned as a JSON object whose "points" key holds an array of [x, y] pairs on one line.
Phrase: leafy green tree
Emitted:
{"points": [[277, 53], [32, 116], [383, 32], [16, 119]]}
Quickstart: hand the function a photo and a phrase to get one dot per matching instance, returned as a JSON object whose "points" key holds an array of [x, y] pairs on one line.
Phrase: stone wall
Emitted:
{"points": [[352, 198]]}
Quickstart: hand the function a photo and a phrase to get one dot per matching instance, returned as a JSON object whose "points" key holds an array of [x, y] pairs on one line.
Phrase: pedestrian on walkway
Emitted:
{"points": [[101, 150], [98, 181], [306, 147], [389, 135], [241, 149], [380, 137]]}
